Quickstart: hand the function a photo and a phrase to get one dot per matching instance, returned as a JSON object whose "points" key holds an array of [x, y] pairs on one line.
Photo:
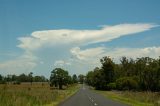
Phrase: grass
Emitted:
{"points": [[37, 94], [64, 94], [133, 98]]}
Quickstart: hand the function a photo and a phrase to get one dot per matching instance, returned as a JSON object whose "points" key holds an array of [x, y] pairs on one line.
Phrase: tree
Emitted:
{"points": [[14, 77], [53, 78], [8, 78], [30, 77], [22, 78], [90, 78], [39, 79], [126, 83], [99, 79], [96, 78], [108, 68], [1, 77], [81, 78], [59, 77], [74, 78], [127, 67], [140, 74]]}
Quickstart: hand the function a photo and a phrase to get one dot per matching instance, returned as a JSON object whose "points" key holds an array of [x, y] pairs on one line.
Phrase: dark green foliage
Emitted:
{"points": [[39, 79], [1, 78], [108, 69], [16, 82], [126, 83], [21, 78], [81, 78], [99, 79], [60, 77], [74, 78], [140, 74], [111, 86], [89, 77], [30, 77]]}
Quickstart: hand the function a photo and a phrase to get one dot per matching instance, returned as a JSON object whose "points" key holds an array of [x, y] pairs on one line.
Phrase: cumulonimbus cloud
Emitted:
{"points": [[74, 39], [38, 39]]}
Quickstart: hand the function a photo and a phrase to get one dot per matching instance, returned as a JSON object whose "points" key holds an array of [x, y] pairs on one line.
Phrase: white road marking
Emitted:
{"points": [[95, 104], [92, 100]]}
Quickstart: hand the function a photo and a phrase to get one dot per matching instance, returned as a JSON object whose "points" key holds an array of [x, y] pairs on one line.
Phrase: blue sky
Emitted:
{"points": [[31, 33]]}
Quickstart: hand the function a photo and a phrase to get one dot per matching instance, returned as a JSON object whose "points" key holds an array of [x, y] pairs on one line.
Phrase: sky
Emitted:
{"points": [[40, 35]]}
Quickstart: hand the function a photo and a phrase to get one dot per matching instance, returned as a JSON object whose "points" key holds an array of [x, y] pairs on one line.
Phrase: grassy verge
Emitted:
{"points": [[33, 95], [133, 98], [64, 94]]}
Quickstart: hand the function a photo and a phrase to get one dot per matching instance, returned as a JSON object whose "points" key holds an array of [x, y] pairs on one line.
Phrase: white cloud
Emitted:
{"points": [[88, 53], [38, 39], [61, 63], [153, 52], [76, 38], [93, 55], [23, 64]]}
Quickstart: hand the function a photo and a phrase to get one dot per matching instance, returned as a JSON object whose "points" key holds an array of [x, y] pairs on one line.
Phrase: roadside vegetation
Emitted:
{"points": [[33, 95], [133, 98], [29, 90], [131, 81]]}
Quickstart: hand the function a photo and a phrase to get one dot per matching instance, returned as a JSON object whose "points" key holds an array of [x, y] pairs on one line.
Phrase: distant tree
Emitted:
{"points": [[74, 78], [8, 78], [14, 77], [23, 78], [39, 79], [53, 78], [30, 76], [1, 77], [81, 78], [69, 80], [90, 78], [60, 77]]}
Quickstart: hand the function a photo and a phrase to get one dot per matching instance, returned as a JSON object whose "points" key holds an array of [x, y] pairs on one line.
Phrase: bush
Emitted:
{"points": [[126, 83], [2, 82], [111, 86], [17, 83]]}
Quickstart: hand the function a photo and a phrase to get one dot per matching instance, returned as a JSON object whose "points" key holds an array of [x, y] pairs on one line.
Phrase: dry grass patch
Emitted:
{"points": [[37, 94]]}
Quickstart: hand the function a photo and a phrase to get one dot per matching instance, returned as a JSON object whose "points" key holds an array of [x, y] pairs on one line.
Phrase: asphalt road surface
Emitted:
{"points": [[86, 97]]}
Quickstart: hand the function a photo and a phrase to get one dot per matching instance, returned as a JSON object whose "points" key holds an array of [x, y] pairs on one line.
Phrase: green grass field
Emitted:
{"points": [[133, 98], [37, 94]]}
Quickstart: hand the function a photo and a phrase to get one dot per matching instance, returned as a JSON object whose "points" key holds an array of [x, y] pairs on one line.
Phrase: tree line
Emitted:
{"points": [[17, 79], [142, 74], [58, 78]]}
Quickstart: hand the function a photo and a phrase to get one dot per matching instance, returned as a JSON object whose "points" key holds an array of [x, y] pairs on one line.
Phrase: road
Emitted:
{"points": [[86, 97]]}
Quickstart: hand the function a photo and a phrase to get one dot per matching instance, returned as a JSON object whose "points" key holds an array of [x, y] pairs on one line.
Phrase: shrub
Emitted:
{"points": [[2, 82], [17, 83], [111, 86], [126, 83]]}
